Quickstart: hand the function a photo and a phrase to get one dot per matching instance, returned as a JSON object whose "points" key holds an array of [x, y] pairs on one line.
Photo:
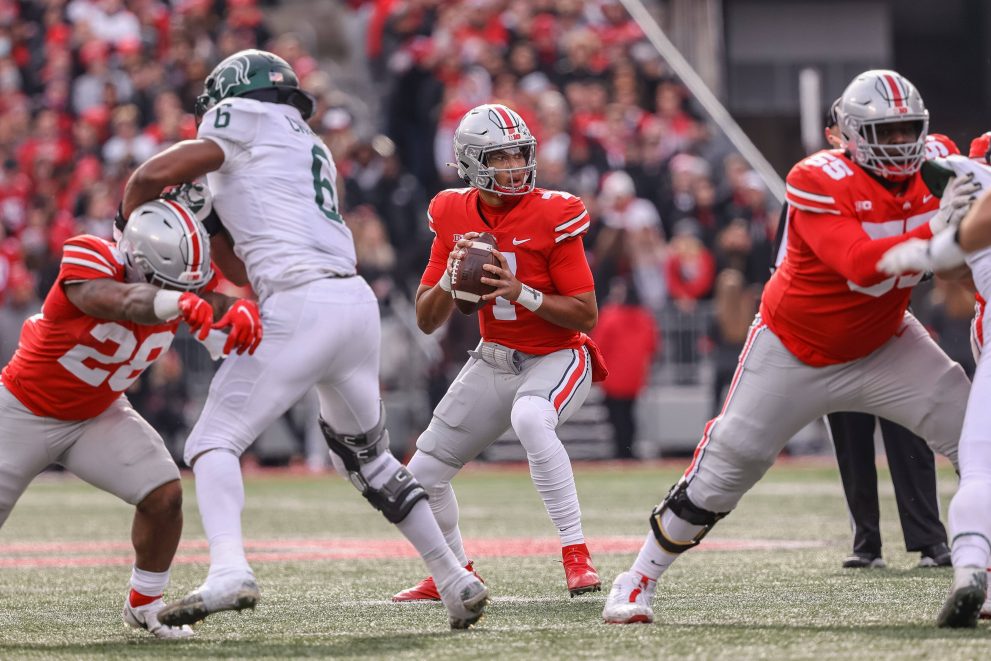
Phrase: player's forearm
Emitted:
{"points": [[568, 312], [115, 301], [433, 308], [844, 247], [975, 228], [182, 162]]}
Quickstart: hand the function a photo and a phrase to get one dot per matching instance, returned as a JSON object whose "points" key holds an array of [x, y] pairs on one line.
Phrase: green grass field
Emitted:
{"points": [[63, 600]]}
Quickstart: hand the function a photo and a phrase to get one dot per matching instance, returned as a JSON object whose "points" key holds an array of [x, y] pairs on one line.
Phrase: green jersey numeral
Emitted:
{"points": [[323, 187]]}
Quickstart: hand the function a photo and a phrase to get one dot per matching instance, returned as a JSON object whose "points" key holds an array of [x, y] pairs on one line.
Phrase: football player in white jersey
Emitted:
{"points": [[970, 523], [274, 186]]}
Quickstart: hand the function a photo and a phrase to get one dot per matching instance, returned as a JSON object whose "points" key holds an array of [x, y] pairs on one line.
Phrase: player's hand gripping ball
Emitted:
{"points": [[467, 287]]}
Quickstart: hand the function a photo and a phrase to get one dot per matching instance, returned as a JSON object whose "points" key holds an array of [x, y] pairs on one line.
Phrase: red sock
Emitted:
{"points": [[137, 599]]}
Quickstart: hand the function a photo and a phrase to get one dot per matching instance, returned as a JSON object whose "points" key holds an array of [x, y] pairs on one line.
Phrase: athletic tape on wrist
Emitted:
{"points": [[530, 298], [166, 304], [445, 281]]}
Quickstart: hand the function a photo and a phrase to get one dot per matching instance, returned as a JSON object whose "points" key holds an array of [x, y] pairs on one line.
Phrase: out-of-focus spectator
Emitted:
{"points": [[627, 335], [736, 304], [127, 146], [19, 301], [630, 240], [691, 268]]}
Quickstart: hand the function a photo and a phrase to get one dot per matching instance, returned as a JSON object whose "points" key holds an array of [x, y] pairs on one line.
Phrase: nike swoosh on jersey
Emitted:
{"points": [[517, 242], [926, 198]]}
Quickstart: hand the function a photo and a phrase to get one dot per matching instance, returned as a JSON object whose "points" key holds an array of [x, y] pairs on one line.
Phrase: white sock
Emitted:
{"points": [[970, 525], [652, 560], [436, 476], [149, 583], [220, 496], [419, 526], [534, 420]]}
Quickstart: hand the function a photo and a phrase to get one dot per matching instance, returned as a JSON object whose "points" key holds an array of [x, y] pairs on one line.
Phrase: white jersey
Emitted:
{"points": [[276, 194], [980, 260]]}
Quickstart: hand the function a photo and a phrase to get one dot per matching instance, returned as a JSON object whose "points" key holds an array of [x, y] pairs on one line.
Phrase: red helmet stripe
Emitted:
{"points": [[897, 96], [510, 125], [191, 231]]}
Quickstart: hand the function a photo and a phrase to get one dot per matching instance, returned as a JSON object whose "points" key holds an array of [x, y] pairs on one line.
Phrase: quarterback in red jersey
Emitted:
{"points": [[832, 334], [113, 310], [535, 365]]}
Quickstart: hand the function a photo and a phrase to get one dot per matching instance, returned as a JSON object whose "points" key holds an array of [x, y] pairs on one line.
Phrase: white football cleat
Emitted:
{"points": [[146, 617], [629, 600], [967, 596], [465, 599], [230, 594]]}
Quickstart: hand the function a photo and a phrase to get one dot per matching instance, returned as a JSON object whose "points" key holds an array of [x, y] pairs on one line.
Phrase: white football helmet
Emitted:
{"points": [[489, 128], [875, 98], [163, 243]]}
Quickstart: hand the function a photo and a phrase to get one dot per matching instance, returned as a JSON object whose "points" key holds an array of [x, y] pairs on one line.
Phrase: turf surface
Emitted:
{"points": [[781, 601]]}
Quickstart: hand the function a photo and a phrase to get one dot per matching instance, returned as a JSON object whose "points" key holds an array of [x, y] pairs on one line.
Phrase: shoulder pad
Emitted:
{"points": [[233, 120], [87, 257], [816, 183], [571, 216]]}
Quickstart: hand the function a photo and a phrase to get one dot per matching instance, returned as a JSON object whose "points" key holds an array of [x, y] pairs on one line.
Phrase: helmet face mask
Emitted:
{"points": [[254, 73], [163, 244], [489, 138], [877, 105]]}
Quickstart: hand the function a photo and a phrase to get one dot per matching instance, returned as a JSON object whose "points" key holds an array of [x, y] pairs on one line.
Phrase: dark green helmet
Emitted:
{"points": [[255, 74]]}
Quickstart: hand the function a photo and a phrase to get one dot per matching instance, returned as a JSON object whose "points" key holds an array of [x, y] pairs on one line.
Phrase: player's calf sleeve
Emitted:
{"points": [[436, 476], [969, 527], [220, 496], [534, 420]]}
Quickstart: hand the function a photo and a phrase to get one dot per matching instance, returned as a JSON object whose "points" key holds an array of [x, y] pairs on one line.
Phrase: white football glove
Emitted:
{"points": [[959, 194], [196, 198], [941, 253]]}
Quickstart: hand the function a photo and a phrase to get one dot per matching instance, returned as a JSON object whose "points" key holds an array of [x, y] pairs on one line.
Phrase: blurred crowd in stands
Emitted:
{"points": [[682, 227]]}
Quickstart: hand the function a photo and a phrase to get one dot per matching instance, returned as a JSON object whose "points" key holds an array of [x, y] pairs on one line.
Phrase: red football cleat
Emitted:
{"points": [[579, 571], [426, 590]]}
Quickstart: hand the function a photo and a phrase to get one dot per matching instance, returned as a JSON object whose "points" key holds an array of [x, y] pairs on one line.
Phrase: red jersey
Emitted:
{"points": [[69, 365], [827, 302], [540, 237]]}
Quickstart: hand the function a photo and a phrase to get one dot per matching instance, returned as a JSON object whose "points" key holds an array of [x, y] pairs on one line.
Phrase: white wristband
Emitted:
{"points": [[530, 298], [945, 252], [445, 281], [166, 304]]}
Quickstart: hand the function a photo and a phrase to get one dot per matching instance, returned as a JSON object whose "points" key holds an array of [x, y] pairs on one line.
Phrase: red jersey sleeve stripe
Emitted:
{"points": [[86, 253], [809, 207], [573, 233], [572, 221], [810, 197], [90, 264]]}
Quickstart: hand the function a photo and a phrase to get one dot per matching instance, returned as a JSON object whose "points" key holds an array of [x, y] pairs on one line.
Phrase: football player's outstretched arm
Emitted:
{"points": [[182, 162], [104, 298]]}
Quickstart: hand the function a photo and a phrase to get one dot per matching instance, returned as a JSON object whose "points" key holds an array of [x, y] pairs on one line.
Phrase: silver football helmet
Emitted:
{"points": [[875, 98], [163, 243], [490, 128]]}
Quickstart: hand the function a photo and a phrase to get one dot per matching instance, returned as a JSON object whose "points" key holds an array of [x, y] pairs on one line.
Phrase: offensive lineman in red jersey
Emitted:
{"points": [[114, 309], [535, 365], [832, 333]]}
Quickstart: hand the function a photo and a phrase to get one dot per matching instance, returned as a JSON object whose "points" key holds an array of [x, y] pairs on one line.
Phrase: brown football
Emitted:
{"points": [[467, 273]]}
